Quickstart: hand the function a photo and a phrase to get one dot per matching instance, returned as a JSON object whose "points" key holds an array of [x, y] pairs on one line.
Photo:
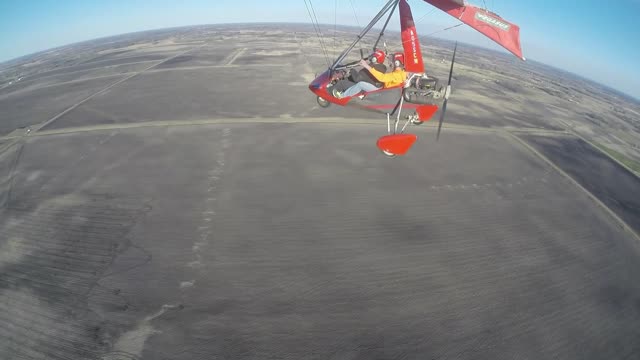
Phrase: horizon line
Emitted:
{"points": [[528, 59]]}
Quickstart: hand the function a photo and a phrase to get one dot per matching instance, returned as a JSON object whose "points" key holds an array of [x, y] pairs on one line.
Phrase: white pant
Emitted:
{"points": [[359, 86]]}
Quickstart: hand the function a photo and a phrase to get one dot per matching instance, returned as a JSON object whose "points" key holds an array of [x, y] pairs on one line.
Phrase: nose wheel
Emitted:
{"points": [[322, 102]]}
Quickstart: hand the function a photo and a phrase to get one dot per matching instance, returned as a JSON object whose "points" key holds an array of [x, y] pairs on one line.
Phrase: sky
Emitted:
{"points": [[599, 40]]}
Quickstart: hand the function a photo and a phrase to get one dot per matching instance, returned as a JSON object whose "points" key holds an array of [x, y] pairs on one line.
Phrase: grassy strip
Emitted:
{"points": [[630, 163]]}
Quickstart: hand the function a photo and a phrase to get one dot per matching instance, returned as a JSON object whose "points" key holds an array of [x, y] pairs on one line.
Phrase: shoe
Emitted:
{"points": [[338, 94]]}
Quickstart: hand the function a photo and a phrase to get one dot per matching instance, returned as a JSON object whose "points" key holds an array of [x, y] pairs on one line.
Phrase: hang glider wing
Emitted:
{"points": [[503, 32]]}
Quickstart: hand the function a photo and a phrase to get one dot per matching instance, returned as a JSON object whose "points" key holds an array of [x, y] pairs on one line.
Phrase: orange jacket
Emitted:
{"points": [[397, 76]]}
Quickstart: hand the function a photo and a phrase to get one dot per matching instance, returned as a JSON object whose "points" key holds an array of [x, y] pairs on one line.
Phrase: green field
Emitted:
{"points": [[630, 163]]}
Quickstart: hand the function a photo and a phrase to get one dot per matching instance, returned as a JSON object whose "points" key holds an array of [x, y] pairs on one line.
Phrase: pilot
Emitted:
{"points": [[396, 77], [376, 62]]}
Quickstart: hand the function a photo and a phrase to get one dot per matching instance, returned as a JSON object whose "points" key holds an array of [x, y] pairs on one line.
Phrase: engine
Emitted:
{"points": [[423, 90]]}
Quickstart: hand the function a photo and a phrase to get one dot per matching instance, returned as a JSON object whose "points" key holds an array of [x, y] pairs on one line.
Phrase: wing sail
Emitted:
{"points": [[503, 32], [410, 42]]}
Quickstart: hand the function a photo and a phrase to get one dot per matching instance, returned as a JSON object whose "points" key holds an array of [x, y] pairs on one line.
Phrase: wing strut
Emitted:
{"points": [[390, 4], [384, 27]]}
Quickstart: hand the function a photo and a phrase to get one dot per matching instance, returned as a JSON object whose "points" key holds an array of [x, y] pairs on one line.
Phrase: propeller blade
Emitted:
{"points": [[453, 59], [446, 93], [444, 109]]}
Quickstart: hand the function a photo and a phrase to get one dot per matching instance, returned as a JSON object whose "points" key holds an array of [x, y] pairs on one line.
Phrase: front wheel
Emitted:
{"points": [[389, 154], [322, 102]]}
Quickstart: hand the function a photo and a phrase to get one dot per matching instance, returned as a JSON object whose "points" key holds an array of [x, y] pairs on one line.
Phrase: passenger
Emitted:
{"points": [[394, 78]]}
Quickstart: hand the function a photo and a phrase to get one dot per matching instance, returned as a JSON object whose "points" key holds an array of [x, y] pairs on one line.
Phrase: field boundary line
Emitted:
{"points": [[615, 216]]}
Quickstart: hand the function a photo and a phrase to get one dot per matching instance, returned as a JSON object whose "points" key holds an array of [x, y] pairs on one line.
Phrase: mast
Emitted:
{"points": [[410, 43]]}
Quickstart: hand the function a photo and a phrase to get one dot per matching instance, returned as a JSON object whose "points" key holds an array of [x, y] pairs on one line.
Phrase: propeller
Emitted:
{"points": [[447, 92]]}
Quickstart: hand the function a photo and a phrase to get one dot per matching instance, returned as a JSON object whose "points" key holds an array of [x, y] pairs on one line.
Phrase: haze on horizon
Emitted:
{"points": [[591, 39]]}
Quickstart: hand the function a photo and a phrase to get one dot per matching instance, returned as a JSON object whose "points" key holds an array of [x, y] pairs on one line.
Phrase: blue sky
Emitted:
{"points": [[597, 39]]}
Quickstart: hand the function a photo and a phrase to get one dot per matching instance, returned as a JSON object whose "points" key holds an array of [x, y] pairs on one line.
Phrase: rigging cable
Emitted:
{"points": [[420, 20], [335, 23], [355, 15], [318, 23], [326, 47], [316, 27], [445, 29], [425, 15]]}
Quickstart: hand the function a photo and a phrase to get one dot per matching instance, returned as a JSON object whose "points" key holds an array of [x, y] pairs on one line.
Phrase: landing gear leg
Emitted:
{"points": [[397, 143]]}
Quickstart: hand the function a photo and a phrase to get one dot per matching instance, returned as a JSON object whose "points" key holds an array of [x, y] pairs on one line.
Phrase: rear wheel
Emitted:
{"points": [[323, 103], [414, 119]]}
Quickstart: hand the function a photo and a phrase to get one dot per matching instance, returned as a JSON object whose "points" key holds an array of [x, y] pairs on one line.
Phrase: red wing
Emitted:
{"points": [[503, 32]]}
